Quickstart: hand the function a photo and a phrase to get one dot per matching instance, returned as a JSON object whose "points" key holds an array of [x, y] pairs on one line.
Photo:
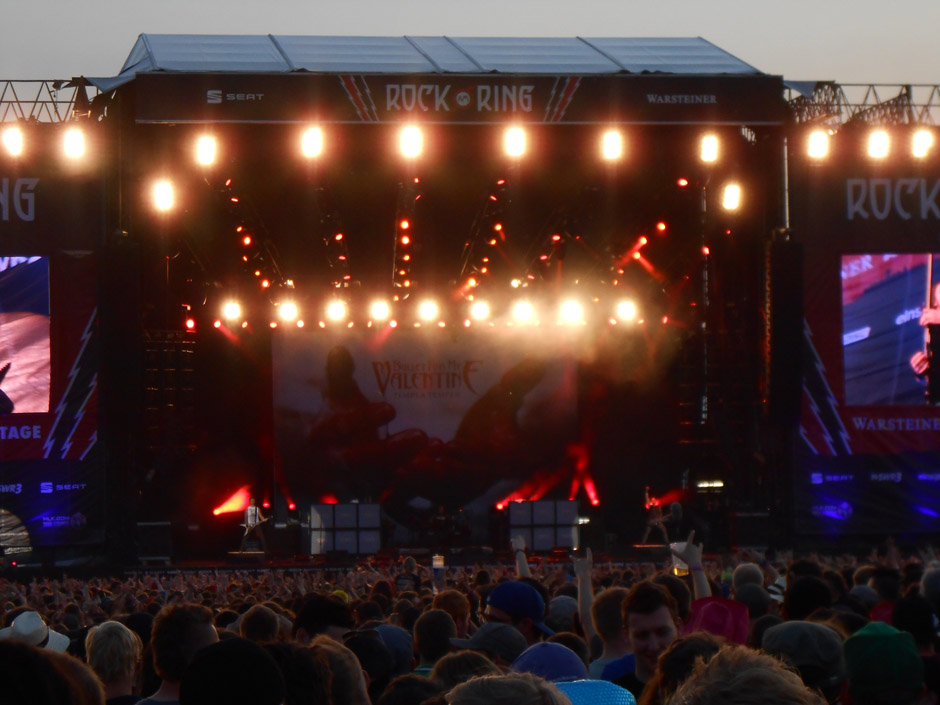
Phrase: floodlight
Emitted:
{"points": [[311, 143], [163, 195], [287, 310], [427, 310], [380, 310], [709, 148], [410, 142], [626, 310], [73, 143], [731, 197], [480, 310], [231, 311], [612, 145], [571, 311], [514, 142], [878, 144], [336, 310], [523, 311], [921, 143], [13, 141], [818, 144], [205, 150]]}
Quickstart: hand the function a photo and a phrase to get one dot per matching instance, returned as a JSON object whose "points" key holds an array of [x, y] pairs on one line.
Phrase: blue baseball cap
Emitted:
{"points": [[521, 601]]}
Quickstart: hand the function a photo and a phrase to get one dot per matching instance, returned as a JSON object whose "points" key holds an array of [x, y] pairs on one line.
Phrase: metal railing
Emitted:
{"points": [[42, 101], [836, 104]]}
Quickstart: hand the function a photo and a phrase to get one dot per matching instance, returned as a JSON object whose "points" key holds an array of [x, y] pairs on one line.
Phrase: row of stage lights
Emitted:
{"points": [[570, 312], [411, 144]]}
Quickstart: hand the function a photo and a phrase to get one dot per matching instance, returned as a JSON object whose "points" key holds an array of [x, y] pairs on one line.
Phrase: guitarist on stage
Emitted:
{"points": [[254, 524], [922, 362]]}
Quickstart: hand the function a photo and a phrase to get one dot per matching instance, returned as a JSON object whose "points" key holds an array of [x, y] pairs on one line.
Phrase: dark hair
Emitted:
{"points": [[887, 583], [677, 662], [174, 630], [259, 624], [914, 615], [409, 689], [679, 591], [375, 659], [605, 611], [319, 612], [433, 631], [460, 666], [368, 611], [755, 637], [307, 677], [645, 598], [805, 595]]}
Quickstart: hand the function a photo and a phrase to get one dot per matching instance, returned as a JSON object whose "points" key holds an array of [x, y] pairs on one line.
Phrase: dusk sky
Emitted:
{"points": [[849, 41]]}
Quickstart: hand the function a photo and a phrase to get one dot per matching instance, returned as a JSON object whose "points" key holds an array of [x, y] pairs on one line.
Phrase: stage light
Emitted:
{"points": [[231, 311], [480, 311], [13, 141], [405, 240], [246, 241], [163, 196], [878, 144], [682, 182], [709, 152], [818, 144], [626, 310], [731, 197], [514, 142], [311, 143], [380, 310], [515, 283], [73, 143], [287, 311], [404, 224], [523, 311], [612, 145], [336, 310], [190, 324], [571, 311], [410, 142], [661, 226], [205, 150], [921, 143], [427, 310]]}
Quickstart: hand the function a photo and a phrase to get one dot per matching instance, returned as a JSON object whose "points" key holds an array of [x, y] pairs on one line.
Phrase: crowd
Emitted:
{"points": [[808, 630]]}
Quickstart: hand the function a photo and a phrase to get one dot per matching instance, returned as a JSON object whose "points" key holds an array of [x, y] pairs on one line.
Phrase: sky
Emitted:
{"points": [[848, 41]]}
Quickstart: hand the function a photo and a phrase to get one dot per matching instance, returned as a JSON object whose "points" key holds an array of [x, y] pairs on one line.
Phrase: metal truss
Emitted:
{"points": [[835, 104], [43, 101]]}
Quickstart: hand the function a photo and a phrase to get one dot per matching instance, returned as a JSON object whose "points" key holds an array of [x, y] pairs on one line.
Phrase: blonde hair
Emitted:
{"points": [[511, 689], [737, 675], [113, 651], [349, 685]]}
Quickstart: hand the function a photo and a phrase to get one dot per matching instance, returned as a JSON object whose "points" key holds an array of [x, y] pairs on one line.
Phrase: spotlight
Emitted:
{"points": [[13, 141], [682, 182], [287, 311], [612, 145], [878, 144], [480, 311], [163, 195], [231, 311], [514, 142], [731, 197], [410, 142], [380, 310], [571, 312], [190, 324], [523, 311], [205, 150], [626, 310], [336, 310], [311, 143], [74, 143], [921, 143], [709, 149], [427, 310], [818, 145]]}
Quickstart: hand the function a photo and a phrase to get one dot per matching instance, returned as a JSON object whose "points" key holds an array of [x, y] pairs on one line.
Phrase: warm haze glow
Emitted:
{"points": [[572, 312], [921, 143], [311, 144], [427, 310], [626, 310], [205, 150], [410, 142], [523, 311], [480, 310], [74, 143], [612, 146], [878, 144], [514, 142], [13, 141], [709, 148], [380, 310], [288, 311], [336, 310], [163, 196], [231, 311], [818, 147], [731, 197]]}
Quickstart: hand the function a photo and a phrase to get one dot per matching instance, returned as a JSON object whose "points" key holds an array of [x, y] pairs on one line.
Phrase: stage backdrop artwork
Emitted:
{"points": [[869, 443], [421, 419]]}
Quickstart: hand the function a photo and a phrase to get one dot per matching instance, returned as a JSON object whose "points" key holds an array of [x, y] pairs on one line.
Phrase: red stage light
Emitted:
{"points": [[595, 501], [501, 182], [404, 225], [661, 226], [190, 324], [665, 319], [300, 324], [246, 240], [493, 242], [683, 182], [500, 506], [234, 199], [236, 503], [217, 324], [406, 258], [244, 324], [498, 227], [273, 324], [228, 182], [291, 506], [556, 238], [266, 504], [329, 499], [643, 239], [265, 283], [636, 255], [239, 229], [705, 251], [405, 240], [338, 237], [393, 324]]}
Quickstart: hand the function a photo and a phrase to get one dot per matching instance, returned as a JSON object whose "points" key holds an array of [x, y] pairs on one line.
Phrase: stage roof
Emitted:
{"points": [[425, 55]]}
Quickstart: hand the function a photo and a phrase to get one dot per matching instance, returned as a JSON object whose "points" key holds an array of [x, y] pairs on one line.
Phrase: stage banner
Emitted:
{"points": [[399, 415], [869, 437], [459, 99], [51, 477]]}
